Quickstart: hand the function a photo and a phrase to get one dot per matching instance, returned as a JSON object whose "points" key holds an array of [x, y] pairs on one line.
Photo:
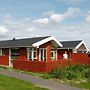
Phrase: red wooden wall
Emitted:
{"points": [[23, 54], [80, 58], [4, 59], [48, 47]]}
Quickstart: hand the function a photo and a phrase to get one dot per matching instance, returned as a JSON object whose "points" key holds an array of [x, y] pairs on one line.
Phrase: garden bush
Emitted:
{"points": [[71, 72]]}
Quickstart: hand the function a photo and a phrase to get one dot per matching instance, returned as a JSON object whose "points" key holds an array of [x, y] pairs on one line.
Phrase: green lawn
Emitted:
{"points": [[85, 85], [8, 83]]}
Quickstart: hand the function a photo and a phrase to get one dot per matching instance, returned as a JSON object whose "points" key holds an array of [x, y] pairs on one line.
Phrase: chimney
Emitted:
{"points": [[13, 39]]}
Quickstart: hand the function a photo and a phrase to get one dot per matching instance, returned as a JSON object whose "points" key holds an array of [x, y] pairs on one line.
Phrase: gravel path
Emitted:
{"points": [[51, 84]]}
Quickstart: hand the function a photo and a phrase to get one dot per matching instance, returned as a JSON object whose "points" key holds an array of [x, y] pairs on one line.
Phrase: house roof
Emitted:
{"points": [[70, 44], [29, 42], [20, 42]]}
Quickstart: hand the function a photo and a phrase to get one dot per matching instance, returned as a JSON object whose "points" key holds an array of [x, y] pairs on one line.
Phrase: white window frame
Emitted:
{"points": [[43, 54], [32, 53], [74, 51], [13, 53], [54, 57], [0, 51]]}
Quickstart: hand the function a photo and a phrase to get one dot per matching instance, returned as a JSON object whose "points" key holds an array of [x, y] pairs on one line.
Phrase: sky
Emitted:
{"points": [[63, 19]]}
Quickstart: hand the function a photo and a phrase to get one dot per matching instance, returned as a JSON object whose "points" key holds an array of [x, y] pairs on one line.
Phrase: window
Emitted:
{"points": [[82, 51], [79, 51], [15, 53], [43, 54], [2, 51], [53, 54], [33, 54], [74, 51]]}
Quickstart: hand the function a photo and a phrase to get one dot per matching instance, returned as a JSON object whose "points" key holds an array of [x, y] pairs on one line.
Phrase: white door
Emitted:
{"points": [[42, 54]]}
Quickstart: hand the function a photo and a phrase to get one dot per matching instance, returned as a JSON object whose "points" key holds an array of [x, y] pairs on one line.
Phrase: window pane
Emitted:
{"points": [[79, 51], [53, 54], [41, 54], [44, 54], [3, 51], [0, 51], [33, 53], [15, 53], [30, 55]]}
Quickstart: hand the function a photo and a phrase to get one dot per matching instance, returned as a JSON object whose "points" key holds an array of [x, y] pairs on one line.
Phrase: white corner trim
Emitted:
{"points": [[82, 42], [37, 44]]}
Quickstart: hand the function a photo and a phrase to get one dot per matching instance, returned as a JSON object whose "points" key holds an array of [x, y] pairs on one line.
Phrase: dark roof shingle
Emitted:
{"points": [[20, 42], [70, 44]]}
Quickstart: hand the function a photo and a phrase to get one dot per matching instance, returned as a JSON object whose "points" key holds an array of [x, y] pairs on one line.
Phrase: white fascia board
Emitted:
{"points": [[37, 44], [82, 42]]}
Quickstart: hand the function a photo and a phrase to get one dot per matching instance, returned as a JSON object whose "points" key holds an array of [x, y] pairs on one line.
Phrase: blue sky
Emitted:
{"points": [[64, 19]]}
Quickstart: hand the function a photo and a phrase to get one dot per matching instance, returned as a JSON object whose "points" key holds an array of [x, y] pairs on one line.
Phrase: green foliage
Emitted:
{"points": [[3, 67], [77, 75], [45, 75], [71, 72]]}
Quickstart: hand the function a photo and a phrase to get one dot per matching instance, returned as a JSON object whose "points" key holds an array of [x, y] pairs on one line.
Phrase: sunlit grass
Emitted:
{"points": [[8, 83]]}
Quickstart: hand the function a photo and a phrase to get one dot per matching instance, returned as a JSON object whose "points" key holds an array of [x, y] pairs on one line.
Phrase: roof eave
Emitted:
{"points": [[66, 48], [37, 44], [16, 46], [82, 42]]}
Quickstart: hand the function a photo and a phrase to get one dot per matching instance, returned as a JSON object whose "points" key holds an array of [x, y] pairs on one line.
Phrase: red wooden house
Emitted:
{"points": [[40, 54], [73, 47]]}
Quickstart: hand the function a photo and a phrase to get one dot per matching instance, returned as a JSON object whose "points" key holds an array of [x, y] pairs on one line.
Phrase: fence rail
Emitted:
{"points": [[42, 66]]}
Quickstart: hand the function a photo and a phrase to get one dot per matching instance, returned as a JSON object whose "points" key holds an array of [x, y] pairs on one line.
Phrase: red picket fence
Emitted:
{"points": [[42, 66], [38, 66], [80, 58]]}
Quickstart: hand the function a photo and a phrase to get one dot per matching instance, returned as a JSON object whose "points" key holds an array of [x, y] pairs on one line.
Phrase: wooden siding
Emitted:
{"points": [[4, 59]]}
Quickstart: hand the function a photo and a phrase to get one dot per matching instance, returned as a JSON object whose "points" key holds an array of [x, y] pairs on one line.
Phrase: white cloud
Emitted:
{"points": [[3, 30], [43, 21], [57, 17], [31, 29], [7, 18], [73, 28], [72, 12], [44, 26], [48, 13], [87, 18], [15, 25]]}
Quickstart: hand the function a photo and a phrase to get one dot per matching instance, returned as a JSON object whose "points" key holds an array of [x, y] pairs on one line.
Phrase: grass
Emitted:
{"points": [[78, 75], [9, 83], [85, 85]]}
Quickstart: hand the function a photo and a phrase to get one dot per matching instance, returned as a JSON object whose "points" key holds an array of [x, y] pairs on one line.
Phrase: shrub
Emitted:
{"points": [[45, 76], [87, 74], [71, 72], [3, 67]]}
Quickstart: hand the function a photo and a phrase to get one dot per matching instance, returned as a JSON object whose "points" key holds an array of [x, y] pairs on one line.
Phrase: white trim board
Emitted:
{"points": [[37, 44], [82, 42]]}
